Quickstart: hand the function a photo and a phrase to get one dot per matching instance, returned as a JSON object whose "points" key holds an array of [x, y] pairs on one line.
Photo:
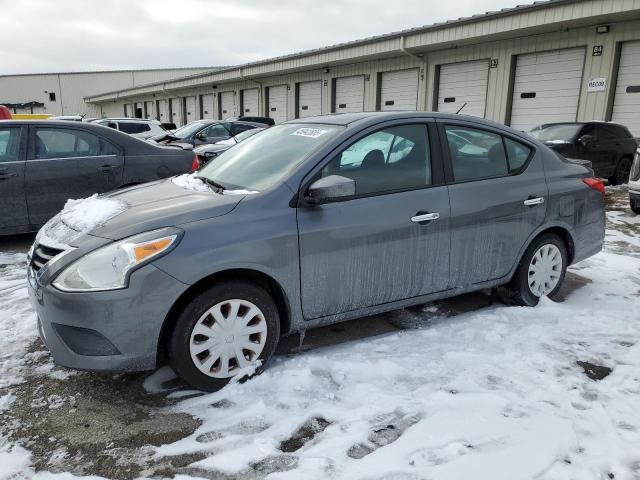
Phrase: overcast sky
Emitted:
{"points": [[75, 35]]}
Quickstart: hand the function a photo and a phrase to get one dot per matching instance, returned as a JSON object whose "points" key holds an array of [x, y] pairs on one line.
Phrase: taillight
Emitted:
{"points": [[195, 164], [595, 184]]}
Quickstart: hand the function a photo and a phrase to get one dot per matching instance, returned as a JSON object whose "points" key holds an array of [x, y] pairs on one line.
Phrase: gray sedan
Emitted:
{"points": [[44, 163], [310, 223]]}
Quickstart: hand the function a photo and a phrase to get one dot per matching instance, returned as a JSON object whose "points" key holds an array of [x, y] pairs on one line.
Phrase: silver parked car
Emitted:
{"points": [[309, 223]]}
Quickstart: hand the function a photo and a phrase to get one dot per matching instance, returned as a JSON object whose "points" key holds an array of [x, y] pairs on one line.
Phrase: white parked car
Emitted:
{"points": [[634, 184], [136, 127]]}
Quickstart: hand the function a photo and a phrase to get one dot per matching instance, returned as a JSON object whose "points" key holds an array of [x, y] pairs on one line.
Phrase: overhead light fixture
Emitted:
{"points": [[602, 29]]}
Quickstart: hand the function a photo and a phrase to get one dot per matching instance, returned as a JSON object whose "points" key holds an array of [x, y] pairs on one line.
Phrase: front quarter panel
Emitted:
{"points": [[260, 234]]}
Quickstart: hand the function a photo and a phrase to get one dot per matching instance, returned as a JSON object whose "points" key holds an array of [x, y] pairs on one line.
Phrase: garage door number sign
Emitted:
{"points": [[597, 85]]}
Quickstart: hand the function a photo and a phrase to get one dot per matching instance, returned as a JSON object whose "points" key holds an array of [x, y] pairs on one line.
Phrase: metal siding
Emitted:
{"points": [[399, 90], [555, 77], [466, 84], [309, 99], [626, 104], [349, 94], [277, 105], [250, 102]]}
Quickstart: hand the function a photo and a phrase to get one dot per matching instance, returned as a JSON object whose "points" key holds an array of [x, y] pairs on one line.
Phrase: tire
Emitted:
{"points": [[221, 339], [621, 174], [519, 291], [635, 205]]}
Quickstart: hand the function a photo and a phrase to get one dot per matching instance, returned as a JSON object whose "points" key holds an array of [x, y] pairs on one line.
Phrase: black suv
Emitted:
{"points": [[609, 147]]}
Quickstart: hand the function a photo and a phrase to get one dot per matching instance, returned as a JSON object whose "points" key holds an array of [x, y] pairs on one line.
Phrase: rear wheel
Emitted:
{"points": [[621, 174], [227, 330], [540, 272]]}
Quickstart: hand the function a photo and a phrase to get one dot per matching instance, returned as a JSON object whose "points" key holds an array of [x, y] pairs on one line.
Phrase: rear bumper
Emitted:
{"points": [[115, 330]]}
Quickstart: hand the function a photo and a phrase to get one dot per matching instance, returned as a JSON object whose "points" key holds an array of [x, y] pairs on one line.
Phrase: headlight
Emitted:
{"points": [[109, 267], [635, 168]]}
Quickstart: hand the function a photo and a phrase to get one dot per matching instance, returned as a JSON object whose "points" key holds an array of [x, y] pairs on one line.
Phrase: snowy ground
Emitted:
{"points": [[460, 389]]}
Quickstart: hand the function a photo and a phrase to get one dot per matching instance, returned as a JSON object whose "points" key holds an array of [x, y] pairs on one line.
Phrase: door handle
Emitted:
{"points": [[6, 176], [529, 202], [425, 217], [107, 168]]}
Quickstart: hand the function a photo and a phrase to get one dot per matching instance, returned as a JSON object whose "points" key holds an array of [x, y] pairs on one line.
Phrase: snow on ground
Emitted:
{"points": [[495, 393]]}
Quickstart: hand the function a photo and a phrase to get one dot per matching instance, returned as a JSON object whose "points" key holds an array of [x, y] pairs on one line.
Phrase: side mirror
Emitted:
{"points": [[330, 188], [585, 140]]}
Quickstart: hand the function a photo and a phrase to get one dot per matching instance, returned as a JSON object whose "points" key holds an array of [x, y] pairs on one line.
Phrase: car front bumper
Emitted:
{"points": [[115, 330]]}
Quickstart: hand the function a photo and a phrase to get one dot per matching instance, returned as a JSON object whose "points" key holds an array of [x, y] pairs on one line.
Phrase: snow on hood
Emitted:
{"points": [[190, 181], [77, 218]]}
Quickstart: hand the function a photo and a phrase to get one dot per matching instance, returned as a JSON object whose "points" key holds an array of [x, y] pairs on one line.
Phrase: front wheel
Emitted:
{"points": [[540, 272], [230, 329], [621, 174], [635, 205]]}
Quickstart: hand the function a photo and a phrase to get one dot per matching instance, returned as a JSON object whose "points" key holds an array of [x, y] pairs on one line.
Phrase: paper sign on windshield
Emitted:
{"points": [[309, 132]]}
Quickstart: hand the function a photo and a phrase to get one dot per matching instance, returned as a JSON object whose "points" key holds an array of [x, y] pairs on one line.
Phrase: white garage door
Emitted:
{"points": [[148, 110], [207, 106], [191, 113], [163, 110], [399, 90], [349, 94], [176, 111], [250, 101], [626, 103], [309, 99], [547, 88], [463, 87], [277, 103], [227, 105]]}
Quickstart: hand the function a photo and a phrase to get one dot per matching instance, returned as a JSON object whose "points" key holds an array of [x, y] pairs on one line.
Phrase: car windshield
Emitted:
{"points": [[188, 130], [566, 132], [261, 161]]}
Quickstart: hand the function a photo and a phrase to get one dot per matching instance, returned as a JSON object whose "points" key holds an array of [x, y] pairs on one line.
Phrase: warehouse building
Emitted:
{"points": [[63, 93], [553, 61]]}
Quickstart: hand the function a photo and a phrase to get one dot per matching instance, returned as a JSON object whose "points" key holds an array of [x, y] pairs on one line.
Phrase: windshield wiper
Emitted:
{"points": [[218, 187]]}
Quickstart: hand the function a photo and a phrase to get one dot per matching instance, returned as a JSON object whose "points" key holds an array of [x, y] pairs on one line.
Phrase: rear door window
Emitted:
{"points": [[9, 144], [134, 127], [475, 154], [64, 143], [517, 154]]}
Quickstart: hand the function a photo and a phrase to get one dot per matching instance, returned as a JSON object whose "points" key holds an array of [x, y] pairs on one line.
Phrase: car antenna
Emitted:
{"points": [[460, 109]]}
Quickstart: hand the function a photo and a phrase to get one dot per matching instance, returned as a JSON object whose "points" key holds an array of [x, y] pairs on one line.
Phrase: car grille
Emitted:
{"points": [[42, 255], [635, 169]]}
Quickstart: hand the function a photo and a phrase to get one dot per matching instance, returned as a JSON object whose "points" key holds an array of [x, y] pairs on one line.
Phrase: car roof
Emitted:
{"points": [[362, 118], [129, 119]]}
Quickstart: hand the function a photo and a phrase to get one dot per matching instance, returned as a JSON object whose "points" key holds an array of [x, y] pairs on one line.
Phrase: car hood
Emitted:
{"points": [[132, 210], [161, 204], [212, 147]]}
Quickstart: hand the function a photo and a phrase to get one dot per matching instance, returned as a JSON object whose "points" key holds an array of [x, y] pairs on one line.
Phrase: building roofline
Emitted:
{"points": [[133, 70], [505, 12]]}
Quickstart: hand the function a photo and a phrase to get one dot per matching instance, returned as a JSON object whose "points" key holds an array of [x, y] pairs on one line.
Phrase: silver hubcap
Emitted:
{"points": [[227, 337], [545, 270]]}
